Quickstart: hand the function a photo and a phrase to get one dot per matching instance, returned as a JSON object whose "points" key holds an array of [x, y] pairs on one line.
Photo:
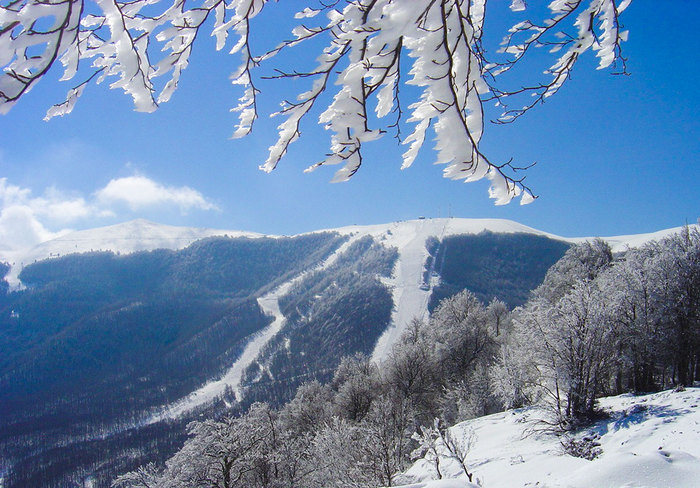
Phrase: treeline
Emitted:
{"points": [[597, 325], [600, 326]]}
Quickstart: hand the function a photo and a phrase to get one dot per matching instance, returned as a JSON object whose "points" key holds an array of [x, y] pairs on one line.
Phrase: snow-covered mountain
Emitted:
{"points": [[214, 318], [410, 293], [124, 238], [407, 236], [411, 289], [143, 235]]}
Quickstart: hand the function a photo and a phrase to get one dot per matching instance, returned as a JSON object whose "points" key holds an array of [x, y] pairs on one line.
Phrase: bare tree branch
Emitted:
{"points": [[133, 42]]}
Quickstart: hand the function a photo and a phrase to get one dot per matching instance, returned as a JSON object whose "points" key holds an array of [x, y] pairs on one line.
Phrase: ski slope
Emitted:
{"points": [[233, 377], [410, 295]]}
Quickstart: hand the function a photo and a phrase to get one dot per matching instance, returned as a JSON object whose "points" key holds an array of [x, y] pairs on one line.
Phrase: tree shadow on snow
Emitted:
{"points": [[638, 413]]}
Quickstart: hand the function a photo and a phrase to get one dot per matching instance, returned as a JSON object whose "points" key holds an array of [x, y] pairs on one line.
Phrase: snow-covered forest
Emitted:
{"points": [[600, 324]]}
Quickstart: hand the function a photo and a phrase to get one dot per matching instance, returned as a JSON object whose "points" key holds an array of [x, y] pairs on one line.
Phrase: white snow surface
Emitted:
{"points": [[451, 483], [622, 243], [649, 441]]}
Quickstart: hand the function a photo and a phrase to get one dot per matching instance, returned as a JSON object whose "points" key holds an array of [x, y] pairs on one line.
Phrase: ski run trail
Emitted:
{"points": [[233, 377], [409, 292]]}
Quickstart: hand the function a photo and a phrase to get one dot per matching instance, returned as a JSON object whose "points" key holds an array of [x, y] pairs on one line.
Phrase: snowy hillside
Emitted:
{"points": [[209, 324], [649, 441], [233, 376], [125, 238], [140, 234], [410, 291]]}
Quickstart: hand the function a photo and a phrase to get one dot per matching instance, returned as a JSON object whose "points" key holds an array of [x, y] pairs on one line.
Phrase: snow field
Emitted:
{"points": [[650, 441]]}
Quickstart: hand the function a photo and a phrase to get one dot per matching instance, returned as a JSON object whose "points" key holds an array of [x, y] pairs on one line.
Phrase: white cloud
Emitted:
{"points": [[26, 220], [60, 208], [20, 229], [138, 192], [20, 224]]}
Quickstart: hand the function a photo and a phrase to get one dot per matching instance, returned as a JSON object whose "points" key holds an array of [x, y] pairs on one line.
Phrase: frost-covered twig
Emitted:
{"points": [[596, 27], [365, 50]]}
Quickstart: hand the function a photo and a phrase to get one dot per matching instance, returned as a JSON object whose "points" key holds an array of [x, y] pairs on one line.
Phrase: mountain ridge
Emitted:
{"points": [[144, 235]]}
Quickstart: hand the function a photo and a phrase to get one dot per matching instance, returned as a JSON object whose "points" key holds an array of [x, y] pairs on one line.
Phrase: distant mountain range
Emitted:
{"points": [[129, 331]]}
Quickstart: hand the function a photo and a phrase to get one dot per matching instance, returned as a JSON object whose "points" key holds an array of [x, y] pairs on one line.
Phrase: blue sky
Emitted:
{"points": [[615, 154]]}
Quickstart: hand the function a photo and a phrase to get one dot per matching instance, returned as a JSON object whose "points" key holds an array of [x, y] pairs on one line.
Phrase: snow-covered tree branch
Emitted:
{"points": [[368, 54]]}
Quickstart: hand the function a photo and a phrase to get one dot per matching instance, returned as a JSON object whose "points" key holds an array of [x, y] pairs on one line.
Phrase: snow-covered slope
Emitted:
{"points": [[622, 243], [410, 294], [128, 237], [410, 298], [650, 441], [232, 377]]}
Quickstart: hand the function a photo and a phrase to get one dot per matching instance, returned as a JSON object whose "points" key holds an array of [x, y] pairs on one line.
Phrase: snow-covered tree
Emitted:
{"points": [[365, 51], [143, 477], [356, 382], [678, 268], [633, 289], [513, 377], [386, 429], [500, 316], [220, 453], [582, 262], [429, 446], [653, 297], [310, 407], [342, 458], [566, 331], [410, 369], [437, 443], [463, 332], [233, 451], [440, 365]]}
